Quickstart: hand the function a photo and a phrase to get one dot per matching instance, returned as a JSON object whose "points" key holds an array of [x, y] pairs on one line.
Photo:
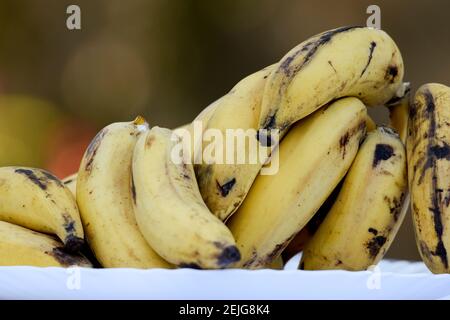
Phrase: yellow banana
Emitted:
{"points": [[399, 111], [224, 186], [428, 148], [348, 61], [71, 183], [169, 208], [105, 195], [22, 247], [368, 212], [313, 157], [37, 200]]}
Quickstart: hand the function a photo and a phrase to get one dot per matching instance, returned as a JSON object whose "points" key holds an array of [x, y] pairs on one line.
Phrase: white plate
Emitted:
{"points": [[390, 280]]}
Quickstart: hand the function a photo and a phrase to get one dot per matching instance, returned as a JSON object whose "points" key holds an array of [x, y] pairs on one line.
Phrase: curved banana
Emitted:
{"points": [[22, 247], [362, 223], [348, 61], [301, 239], [37, 200], [313, 157], [71, 183], [428, 148], [399, 111], [169, 208], [105, 195], [223, 186]]}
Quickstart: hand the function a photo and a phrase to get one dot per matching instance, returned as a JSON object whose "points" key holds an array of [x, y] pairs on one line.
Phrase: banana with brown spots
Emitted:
{"points": [[313, 157], [169, 209], [428, 148], [23, 247], [363, 221], [37, 200], [105, 195]]}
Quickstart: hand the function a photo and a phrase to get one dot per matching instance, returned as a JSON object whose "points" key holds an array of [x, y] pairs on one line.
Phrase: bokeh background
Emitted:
{"points": [[168, 60]]}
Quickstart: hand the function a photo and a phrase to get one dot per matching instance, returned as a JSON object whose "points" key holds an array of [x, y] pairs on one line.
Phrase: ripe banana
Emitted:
{"points": [[37, 200], [313, 157], [169, 208], [428, 148], [22, 247], [348, 61], [301, 239], [223, 186], [105, 195], [71, 183], [399, 111], [368, 212]]}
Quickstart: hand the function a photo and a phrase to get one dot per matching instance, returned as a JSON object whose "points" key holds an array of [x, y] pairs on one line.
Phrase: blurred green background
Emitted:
{"points": [[168, 60]]}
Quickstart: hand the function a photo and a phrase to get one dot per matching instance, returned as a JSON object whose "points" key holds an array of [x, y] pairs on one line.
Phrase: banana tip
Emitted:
{"points": [[229, 256], [73, 244]]}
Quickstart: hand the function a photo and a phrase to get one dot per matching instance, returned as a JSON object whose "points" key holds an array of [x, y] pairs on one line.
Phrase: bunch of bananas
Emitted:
{"points": [[341, 192]]}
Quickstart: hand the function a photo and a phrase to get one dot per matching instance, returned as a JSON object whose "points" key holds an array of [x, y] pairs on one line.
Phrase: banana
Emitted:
{"points": [[22, 247], [193, 142], [276, 264], [224, 186], [362, 223], [313, 157], [169, 208], [37, 200], [348, 61], [399, 111], [428, 149], [301, 239], [71, 183], [105, 195]]}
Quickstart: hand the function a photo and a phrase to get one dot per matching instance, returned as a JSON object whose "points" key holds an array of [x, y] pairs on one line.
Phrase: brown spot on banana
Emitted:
{"points": [[91, 151]]}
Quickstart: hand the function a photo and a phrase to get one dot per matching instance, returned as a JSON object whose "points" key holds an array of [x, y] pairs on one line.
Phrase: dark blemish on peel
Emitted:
{"points": [[373, 44], [190, 266], [375, 244], [331, 65], [226, 187], [93, 147], [373, 231], [440, 152], [228, 256], [73, 243], [391, 73], [382, 152], [41, 183], [133, 189], [343, 141], [63, 257]]}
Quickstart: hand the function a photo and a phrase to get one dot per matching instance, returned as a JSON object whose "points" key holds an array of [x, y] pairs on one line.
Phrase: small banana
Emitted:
{"points": [[223, 186], [428, 149], [105, 194], [313, 157], [399, 111], [23, 247], [169, 208], [362, 223], [348, 61], [71, 183], [37, 200]]}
